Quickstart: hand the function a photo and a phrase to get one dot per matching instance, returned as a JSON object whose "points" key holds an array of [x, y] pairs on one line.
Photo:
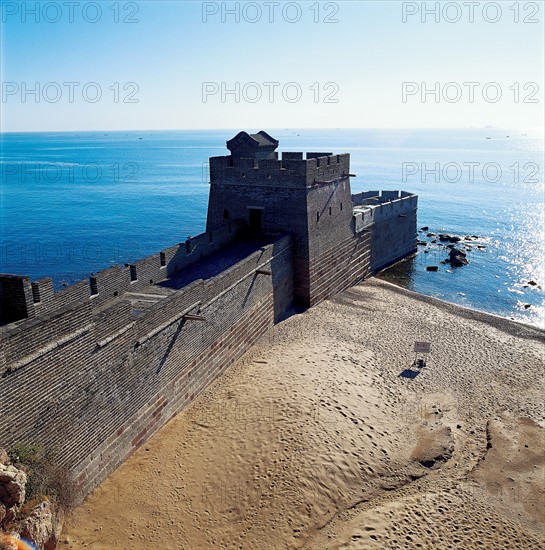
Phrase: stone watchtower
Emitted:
{"points": [[307, 197]]}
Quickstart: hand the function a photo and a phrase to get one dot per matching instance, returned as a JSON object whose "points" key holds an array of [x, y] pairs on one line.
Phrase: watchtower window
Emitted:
{"points": [[317, 217], [36, 293], [341, 205], [94, 286], [226, 214], [255, 219], [330, 210], [162, 259], [134, 276]]}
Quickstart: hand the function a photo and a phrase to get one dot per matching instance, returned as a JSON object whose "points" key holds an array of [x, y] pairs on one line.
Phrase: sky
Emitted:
{"points": [[116, 65]]}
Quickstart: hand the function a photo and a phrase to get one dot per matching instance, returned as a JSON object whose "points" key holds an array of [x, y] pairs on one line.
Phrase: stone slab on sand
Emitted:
{"points": [[314, 440]]}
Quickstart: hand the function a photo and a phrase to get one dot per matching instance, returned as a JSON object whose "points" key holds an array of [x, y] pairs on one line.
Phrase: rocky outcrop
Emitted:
{"points": [[12, 486], [43, 525], [39, 521], [457, 257]]}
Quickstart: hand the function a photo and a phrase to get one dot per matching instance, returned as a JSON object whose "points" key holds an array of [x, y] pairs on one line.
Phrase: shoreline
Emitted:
{"points": [[318, 438], [471, 313]]}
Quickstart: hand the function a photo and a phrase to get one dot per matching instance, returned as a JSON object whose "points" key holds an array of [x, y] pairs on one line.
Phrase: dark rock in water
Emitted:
{"points": [[458, 261], [425, 228], [481, 246], [533, 283], [430, 235], [451, 246], [457, 252], [454, 239], [425, 251], [444, 237], [432, 268], [443, 262], [467, 238], [527, 306], [474, 236], [421, 243], [434, 241], [447, 260]]}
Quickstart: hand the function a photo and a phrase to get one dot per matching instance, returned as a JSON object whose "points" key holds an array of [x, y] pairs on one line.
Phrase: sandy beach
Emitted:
{"points": [[324, 437]]}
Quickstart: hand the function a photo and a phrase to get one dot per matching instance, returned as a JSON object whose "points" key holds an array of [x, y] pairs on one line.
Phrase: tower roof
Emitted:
{"points": [[252, 145]]}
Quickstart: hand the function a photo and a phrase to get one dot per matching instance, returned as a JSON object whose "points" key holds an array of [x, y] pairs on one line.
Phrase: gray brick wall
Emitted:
{"points": [[96, 382]]}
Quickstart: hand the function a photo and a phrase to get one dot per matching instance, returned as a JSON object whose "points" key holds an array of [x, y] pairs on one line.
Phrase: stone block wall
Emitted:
{"points": [[336, 269], [96, 382], [308, 198], [394, 228]]}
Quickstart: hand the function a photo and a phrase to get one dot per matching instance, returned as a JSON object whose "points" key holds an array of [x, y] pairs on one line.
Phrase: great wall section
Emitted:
{"points": [[97, 368]]}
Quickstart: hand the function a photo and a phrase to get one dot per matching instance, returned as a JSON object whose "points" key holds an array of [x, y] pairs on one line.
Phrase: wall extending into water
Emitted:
{"points": [[394, 230]]}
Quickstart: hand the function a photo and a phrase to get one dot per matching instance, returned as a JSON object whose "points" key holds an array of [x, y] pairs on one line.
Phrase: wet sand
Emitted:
{"points": [[324, 437]]}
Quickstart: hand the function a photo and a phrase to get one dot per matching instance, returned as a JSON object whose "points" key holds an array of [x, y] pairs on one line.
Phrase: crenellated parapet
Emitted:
{"points": [[375, 206], [21, 298], [292, 170], [383, 197]]}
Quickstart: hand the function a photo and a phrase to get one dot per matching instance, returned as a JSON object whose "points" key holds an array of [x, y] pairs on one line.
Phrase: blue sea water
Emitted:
{"points": [[77, 202]]}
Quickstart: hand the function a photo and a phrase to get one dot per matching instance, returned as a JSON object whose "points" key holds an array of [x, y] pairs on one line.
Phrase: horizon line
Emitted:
{"points": [[486, 127]]}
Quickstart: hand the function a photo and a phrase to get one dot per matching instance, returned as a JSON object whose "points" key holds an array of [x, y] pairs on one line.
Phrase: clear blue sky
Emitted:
{"points": [[170, 52]]}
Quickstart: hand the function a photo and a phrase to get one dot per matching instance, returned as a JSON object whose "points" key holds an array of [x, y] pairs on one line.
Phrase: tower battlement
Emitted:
{"points": [[292, 170]]}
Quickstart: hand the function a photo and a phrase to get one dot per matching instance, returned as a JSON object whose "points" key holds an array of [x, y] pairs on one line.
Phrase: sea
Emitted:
{"points": [[73, 203]]}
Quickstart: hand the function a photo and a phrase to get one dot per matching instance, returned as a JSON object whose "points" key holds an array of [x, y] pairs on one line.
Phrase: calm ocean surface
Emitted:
{"points": [[74, 203]]}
